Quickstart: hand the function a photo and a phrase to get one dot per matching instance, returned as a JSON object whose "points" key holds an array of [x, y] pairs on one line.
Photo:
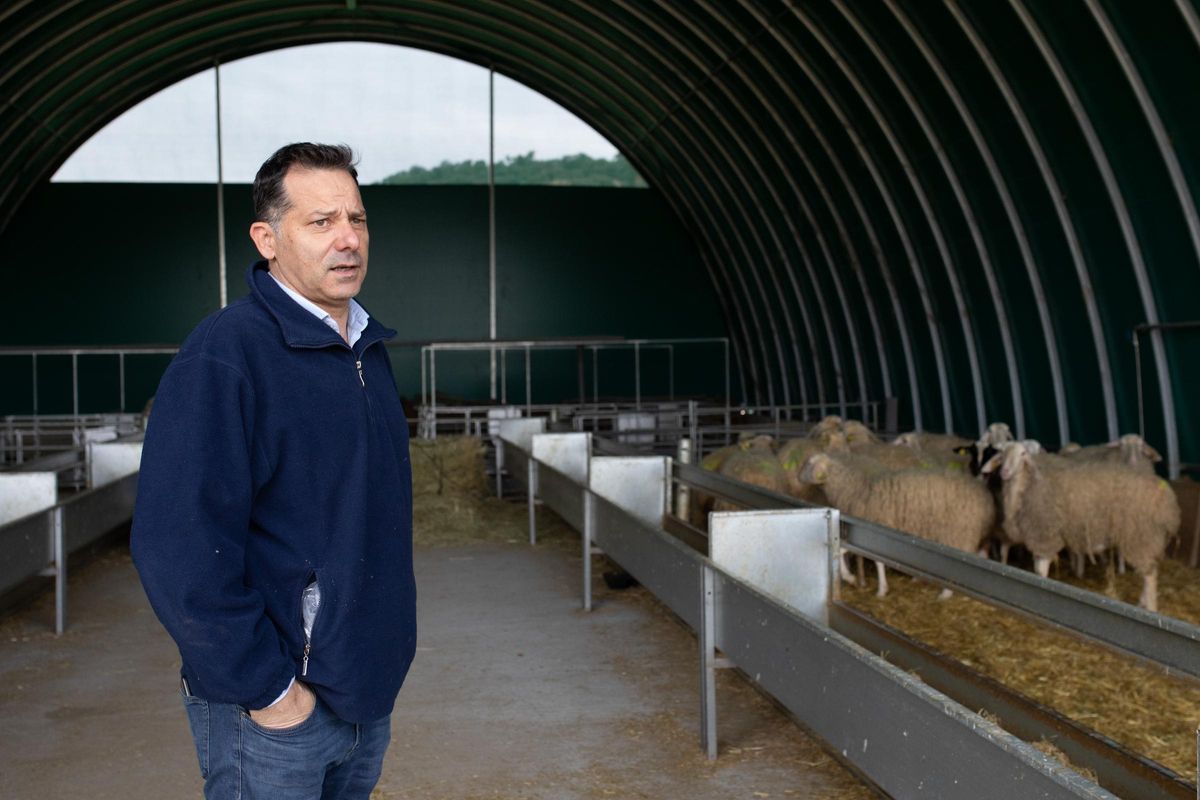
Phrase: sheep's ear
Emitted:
{"points": [[992, 464], [1150, 453]]}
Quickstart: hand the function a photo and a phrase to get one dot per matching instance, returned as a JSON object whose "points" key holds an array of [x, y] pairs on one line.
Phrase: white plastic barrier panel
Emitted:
{"points": [[497, 414], [110, 461], [106, 434], [520, 432], [636, 421], [786, 554], [569, 453], [638, 484], [25, 493]]}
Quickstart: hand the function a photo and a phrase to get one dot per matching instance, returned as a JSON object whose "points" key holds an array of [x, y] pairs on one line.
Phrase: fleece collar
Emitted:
{"points": [[299, 327]]}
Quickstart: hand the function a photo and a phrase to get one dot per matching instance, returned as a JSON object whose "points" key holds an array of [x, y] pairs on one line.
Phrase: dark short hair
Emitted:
{"points": [[270, 199]]}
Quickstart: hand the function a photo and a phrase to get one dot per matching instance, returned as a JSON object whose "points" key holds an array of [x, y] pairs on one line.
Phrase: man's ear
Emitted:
{"points": [[263, 236]]}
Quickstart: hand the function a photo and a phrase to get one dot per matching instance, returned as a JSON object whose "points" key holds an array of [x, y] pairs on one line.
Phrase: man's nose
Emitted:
{"points": [[347, 238]]}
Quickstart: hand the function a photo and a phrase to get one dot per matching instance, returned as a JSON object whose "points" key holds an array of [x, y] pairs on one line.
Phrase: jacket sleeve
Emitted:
{"points": [[190, 526]]}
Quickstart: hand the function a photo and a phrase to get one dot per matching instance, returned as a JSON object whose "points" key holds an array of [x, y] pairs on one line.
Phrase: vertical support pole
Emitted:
{"points": [[708, 665], [503, 376], [834, 522], [589, 531], [694, 431], [499, 467], [531, 483], [579, 375], [75, 384], [725, 345], [121, 369], [596, 375], [35, 387], [60, 570], [637, 375], [221, 290], [1137, 362], [424, 381], [682, 492], [528, 383], [492, 225], [433, 393]]}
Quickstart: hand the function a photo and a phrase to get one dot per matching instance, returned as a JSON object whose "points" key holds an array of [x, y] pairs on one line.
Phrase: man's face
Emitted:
{"points": [[320, 247]]}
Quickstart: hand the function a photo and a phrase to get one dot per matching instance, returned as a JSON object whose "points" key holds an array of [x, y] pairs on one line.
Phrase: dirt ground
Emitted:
{"points": [[515, 693]]}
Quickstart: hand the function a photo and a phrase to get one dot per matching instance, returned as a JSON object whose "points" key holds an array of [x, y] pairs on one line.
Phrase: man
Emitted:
{"points": [[273, 527]]}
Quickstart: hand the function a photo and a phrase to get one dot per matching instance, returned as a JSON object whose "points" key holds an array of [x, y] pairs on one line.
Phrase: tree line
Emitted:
{"points": [[527, 169]]}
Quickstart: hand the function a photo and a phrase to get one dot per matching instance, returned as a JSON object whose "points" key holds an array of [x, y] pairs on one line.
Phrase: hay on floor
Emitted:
{"points": [[1123, 698]]}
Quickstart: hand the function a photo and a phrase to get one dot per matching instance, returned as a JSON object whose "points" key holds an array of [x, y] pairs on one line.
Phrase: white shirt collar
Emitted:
{"points": [[355, 325]]}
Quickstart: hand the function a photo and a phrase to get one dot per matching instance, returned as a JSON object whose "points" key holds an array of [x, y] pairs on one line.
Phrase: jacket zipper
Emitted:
{"points": [[308, 633], [358, 366]]}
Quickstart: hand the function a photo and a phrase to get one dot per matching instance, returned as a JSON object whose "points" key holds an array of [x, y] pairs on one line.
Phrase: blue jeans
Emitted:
{"points": [[321, 758]]}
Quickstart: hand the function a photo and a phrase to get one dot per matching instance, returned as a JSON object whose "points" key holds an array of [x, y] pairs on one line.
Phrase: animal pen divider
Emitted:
{"points": [[905, 734]]}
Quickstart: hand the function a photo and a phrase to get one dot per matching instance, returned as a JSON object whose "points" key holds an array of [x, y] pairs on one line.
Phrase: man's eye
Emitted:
{"points": [[321, 223]]}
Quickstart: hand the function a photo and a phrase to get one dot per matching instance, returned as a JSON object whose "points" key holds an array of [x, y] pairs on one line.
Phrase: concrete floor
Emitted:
{"points": [[515, 693]]}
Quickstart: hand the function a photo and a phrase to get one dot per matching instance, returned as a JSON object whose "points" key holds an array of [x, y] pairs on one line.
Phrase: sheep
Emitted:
{"points": [[919, 440], [830, 423], [1130, 450], [949, 509], [753, 462], [1087, 507], [858, 434], [792, 455]]}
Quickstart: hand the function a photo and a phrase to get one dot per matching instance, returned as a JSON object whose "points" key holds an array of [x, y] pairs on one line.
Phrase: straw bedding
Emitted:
{"points": [[1127, 700]]}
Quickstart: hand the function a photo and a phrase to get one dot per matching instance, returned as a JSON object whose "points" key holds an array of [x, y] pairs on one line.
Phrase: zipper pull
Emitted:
{"points": [[358, 365], [304, 665]]}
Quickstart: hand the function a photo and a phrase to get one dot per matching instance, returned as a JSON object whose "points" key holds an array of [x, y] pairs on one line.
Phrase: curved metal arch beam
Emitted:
{"points": [[1056, 195], [897, 221], [922, 199], [712, 79], [1188, 11], [309, 37], [1128, 233], [968, 212], [802, 201], [702, 123], [1187, 203], [860, 210], [1014, 221], [703, 151]]}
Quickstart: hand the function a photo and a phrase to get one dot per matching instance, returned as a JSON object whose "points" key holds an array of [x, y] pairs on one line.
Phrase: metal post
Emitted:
{"points": [[708, 669], [596, 375], [531, 481], [528, 384], [223, 292], [694, 431], [35, 392], [424, 386], [499, 467], [503, 377], [1137, 362], [589, 531], [579, 376], [637, 375], [492, 224], [121, 369], [75, 384], [60, 570], [725, 346], [682, 491], [433, 393]]}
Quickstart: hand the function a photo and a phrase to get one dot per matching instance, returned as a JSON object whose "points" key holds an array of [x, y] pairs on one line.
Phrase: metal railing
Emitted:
{"points": [[121, 352]]}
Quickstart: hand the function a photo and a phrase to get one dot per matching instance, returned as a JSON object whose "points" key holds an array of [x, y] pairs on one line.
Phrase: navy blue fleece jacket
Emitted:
{"points": [[276, 454]]}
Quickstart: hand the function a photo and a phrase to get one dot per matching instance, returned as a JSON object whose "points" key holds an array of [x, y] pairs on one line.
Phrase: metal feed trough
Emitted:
{"points": [[761, 593]]}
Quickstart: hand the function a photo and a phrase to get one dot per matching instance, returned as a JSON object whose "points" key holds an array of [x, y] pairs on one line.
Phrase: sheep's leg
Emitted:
{"points": [[1004, 547], [1149, 598], [1120, 563], [945, 594], [882, 573], [861, 571], [844, 570], [1077, 564], [1041, 566]]}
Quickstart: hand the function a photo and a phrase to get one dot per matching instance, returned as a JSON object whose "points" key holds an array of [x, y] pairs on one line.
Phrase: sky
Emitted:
{"points": [[396, 106]]}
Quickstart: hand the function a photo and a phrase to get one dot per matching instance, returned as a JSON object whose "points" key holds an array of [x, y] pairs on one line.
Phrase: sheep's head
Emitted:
{"points": [[911, 439], [1012, 458], [760, 442], [830, 423], [997, 433], [1134, 450], [816, 469], [858, 433], [1070, 447]]}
